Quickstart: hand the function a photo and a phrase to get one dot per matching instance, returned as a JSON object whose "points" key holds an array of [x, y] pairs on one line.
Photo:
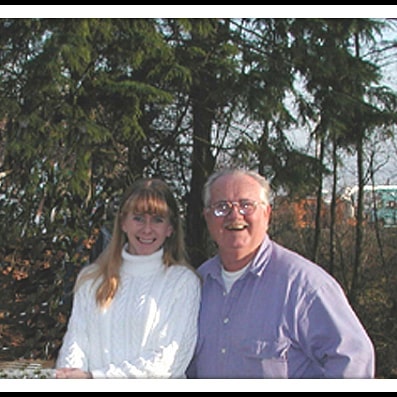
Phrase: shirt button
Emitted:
{"points": [[223, 350], [225, 320]]}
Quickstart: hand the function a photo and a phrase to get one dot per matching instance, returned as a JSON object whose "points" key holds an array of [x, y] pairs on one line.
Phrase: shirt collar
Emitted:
{"points": [[256, 267]]}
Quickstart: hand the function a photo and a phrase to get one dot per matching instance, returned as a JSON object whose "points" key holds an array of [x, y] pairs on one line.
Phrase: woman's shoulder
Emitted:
{"points": [[182, 271], [89, 269], [183, 281], [88, 274]]}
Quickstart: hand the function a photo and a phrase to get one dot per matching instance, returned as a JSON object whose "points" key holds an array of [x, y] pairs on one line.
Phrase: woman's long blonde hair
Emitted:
{"points": [[147, 195]]}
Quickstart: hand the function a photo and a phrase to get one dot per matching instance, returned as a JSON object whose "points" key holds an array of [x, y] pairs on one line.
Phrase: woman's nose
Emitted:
{"points": [[147, 225]]}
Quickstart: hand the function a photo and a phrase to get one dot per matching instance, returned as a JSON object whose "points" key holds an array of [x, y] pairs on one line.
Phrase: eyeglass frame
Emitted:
{"points": [[239, 204]]}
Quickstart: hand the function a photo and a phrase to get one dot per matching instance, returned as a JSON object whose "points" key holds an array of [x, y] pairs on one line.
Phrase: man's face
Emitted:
{"points": [[238, 234]]}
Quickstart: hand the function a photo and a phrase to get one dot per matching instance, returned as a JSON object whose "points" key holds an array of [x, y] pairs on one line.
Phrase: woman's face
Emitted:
{"points": [[146, 232]]}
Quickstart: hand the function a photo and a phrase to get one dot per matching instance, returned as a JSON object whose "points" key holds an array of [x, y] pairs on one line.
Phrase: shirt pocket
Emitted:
{"points": [[272, 355]]}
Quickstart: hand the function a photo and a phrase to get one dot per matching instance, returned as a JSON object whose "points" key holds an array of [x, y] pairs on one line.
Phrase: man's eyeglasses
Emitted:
{"points": [[245, 207]]}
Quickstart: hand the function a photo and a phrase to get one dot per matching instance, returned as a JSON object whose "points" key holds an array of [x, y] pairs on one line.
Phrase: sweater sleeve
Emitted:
{"points": [[73, 352], [171, 342]]}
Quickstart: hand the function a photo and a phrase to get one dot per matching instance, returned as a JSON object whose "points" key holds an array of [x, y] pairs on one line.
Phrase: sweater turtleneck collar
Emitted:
{"points": [[141, 265]]}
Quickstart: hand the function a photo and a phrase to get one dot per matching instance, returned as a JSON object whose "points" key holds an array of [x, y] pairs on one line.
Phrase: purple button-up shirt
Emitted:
{"points": [[286, 317]]}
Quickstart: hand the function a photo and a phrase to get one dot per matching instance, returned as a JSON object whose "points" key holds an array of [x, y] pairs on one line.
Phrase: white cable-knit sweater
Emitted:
{"points": [[149, 330]]}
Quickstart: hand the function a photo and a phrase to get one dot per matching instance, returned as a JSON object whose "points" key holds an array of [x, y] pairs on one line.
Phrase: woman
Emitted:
{"points": [[135, 309]]}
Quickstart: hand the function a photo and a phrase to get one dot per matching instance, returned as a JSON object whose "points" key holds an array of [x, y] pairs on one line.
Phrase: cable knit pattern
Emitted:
{"points": [[149, 330]]}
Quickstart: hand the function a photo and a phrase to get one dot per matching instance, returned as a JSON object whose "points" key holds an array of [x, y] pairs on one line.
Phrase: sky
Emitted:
{"points": [[385, 159]]}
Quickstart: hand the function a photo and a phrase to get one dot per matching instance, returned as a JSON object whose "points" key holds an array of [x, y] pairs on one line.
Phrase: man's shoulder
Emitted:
{"points": [[297, 268], [208, 266]]}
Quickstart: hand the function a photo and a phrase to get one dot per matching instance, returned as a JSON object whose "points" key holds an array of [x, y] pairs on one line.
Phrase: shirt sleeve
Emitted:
{"points": [[333, 336]]}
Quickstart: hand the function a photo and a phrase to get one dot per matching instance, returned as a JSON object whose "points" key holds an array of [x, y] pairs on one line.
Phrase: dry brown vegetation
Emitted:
{"points": [[36, 294]]}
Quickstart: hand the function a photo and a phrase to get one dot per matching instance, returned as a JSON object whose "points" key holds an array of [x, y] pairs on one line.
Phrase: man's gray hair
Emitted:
{"points": [[262, 181]]}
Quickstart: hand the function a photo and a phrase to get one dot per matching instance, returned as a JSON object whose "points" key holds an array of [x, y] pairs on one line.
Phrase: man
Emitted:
{"points": [[266, 311]]}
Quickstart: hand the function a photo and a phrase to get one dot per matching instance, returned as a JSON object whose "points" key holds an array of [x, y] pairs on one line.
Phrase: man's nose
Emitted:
{"points": [[235, 208]]}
